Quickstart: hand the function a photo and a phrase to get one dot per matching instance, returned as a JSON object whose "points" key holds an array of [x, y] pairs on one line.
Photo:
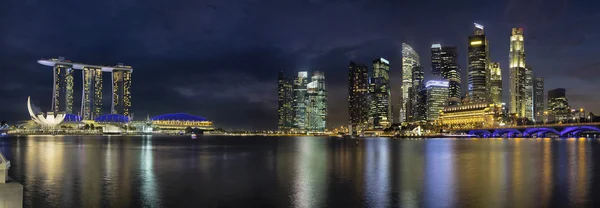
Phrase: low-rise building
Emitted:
{"points": [[471, 116]]}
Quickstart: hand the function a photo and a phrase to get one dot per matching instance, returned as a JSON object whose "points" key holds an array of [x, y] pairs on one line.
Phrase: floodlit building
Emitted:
{"points": [[469, 116], [495, 88], [178, 122], [47, 120], [91, 103], [285, 99], [316, 104], [358, 92], [478, 60], [521, 78], [437, 94], [410, 59], [379, 93]]}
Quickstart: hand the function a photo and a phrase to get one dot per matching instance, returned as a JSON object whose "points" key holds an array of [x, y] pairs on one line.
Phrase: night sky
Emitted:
{"points": [[219, 59]]}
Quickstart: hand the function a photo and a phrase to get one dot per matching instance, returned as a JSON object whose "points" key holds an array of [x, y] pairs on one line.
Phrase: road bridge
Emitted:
{"points": [[562, 130]]}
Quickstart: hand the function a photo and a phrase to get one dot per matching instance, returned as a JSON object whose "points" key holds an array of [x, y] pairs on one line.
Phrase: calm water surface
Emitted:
{"points": [[117, 171]]}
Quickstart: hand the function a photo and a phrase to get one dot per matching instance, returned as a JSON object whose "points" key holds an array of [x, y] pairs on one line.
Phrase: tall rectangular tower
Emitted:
{"points": [[538, 99], [62, 97], [410, 59], [451, 72], [91, 104], [316, 104], [418, 99], [478, 60], [437, 94], [121, 94], [299, 103], [520, 77], [358, 89], [495, 88], [285, 100], [380, 109]]}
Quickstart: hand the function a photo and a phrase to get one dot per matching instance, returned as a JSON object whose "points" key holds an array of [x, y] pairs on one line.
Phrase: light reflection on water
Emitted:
{"points": [[303, 172]]}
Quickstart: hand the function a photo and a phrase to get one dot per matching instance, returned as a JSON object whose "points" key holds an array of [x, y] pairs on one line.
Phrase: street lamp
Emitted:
{"points": [[545, 117]]}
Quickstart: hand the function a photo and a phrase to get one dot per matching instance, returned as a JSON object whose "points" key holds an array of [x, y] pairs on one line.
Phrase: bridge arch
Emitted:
{"points": [[540, 131], [500, 132], [484, 133], [578, 129]]}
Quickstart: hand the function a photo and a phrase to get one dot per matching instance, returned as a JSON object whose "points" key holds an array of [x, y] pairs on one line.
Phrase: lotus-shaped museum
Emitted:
{"points": [[48, 120]]}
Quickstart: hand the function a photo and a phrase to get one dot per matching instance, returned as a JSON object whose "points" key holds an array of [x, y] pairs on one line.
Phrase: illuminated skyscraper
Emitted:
{"points": [[495, 88], [437, 94], [521, 84], [121, 94], [478, 61], [299, 104], [538, 99], [379, 94], [285, 101], [91, 106], [558, 105], [436, 59], [451, 72], [62, 98], [358, 91], [410, 59], [316, 103], [418, 96]]}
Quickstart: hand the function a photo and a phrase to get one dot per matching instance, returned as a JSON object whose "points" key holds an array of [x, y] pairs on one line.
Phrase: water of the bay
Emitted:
{"points": [[151, 171]]}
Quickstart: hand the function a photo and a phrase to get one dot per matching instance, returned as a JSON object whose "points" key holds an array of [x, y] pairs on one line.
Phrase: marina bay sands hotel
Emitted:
{"points": [[91, 98]]}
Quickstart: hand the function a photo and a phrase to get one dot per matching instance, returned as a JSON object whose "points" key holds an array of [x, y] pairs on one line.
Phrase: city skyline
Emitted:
{"points": [[177, 69]]}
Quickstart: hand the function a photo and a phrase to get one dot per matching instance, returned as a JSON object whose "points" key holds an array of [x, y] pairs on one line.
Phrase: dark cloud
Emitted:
{"points": [[219, 59]]}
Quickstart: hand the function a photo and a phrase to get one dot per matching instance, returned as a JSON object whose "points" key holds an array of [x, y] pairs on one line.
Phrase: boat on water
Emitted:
{"points": [[194, 136]]}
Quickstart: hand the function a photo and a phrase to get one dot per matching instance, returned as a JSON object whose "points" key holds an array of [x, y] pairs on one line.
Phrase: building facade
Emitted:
{"points": [[521, 78], [470, 116], [379, 95], [410, 59], [437, 94], [478, 60], [495, 88], [558, 105], [358, 91], [538, 99], [316, 104], [91, 98], [285, 98]]}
